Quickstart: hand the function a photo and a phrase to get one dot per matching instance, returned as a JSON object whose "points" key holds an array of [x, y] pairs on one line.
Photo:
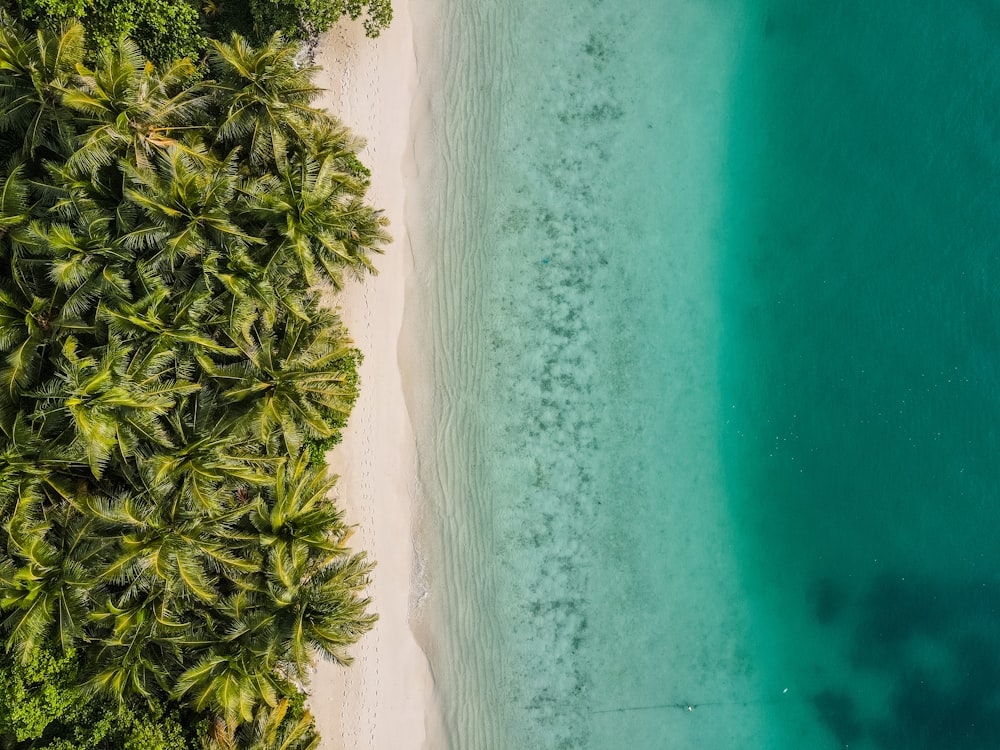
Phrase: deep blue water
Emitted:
{"points": [[860, 361]]}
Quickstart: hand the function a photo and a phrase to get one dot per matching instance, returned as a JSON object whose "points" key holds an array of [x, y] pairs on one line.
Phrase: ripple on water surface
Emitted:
{"points": [[587, 592]]}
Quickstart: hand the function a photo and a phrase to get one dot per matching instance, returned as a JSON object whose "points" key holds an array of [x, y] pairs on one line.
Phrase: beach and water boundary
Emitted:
{"points": [[469, 643], [780, 503]]}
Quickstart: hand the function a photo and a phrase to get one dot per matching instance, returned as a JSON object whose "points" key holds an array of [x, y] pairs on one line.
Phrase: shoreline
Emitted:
{"points": [[371, 85]]}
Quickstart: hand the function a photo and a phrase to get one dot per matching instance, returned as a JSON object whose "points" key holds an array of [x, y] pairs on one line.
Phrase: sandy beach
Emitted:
{"points": [[384, 700]]}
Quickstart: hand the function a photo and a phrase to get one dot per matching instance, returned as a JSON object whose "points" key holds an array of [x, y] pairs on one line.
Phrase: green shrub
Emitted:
{"points": [[301, 19], [43, 707], [167, 30], [37, 692]]}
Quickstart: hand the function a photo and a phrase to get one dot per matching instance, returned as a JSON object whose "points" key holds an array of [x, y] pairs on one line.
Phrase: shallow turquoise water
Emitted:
{"points": [[708, 297]]}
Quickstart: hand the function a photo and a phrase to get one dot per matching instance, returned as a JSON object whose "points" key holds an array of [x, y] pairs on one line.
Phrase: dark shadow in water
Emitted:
{"points": [[894, 613], [937, 645], [836, 709], [828, 600], [932, 711]]}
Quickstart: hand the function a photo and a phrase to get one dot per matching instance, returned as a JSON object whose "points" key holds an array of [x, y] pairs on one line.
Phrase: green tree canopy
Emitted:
{"points": [[42, 707], [168, 30], [168, 376]]}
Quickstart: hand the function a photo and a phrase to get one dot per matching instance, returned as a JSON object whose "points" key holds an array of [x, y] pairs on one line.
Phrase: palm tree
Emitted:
{"points": [[22, 331], [206, 473], [112, 402], [234, 685], [163, 362], [171, 318], [45, 582], [14, 209], [188, 197], [271, 729], [45, 600], [183, 554], [34, 71], [131, 110], [296, 511], [268, 97], [303, 537], [137, 648], [288, 381], [307, 596], [321, 607], [318, 218], [83, 262]]}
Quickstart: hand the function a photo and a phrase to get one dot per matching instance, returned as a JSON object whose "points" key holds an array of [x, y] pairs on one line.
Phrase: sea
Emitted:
{"points": [[707, 293]]}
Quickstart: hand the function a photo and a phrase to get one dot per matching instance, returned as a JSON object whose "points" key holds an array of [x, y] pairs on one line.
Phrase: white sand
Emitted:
{"points": [[385, 700]]}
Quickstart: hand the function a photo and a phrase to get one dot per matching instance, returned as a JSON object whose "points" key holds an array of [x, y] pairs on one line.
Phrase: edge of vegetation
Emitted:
{"points": [[168, 30], [171, 560]]}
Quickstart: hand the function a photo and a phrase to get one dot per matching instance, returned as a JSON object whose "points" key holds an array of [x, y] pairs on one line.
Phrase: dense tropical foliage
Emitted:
{"points": [[167, 378], [42, 705], [166, 30]]}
